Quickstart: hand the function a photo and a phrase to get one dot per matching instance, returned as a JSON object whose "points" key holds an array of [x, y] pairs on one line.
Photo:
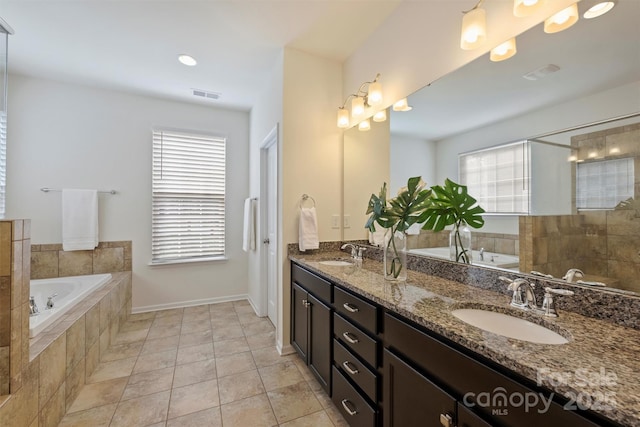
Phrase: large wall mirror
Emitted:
{"points": [[547, 94]]}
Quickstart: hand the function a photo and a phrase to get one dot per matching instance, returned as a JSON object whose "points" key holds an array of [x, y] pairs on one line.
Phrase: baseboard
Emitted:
{"points": [[182, 304], [283, 350], [255, 308]]}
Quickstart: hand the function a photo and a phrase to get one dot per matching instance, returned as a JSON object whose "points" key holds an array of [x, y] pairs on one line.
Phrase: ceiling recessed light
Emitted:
{"points": [[187, 60], [599, 9]]}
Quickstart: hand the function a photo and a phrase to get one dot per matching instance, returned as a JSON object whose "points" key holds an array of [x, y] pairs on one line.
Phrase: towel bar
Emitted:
{"points": [[46, 190]]}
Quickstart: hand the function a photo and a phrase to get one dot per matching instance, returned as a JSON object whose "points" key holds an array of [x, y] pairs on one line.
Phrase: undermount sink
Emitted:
{"points": [[509, 326], [336, 263]]}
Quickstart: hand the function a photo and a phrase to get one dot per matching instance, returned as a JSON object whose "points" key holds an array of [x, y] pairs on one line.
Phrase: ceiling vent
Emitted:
{"points": [[205, 94], [541, 72]]}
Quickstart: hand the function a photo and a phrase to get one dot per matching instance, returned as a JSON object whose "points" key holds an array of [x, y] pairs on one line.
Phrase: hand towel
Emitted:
{"points": [[79, 219], [308, 238], [249, 230]]}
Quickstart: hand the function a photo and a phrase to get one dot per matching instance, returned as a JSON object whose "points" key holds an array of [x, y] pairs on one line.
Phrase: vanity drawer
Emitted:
{"points": [[357, 371], [356, 309], [312, 283], [353, 407], [356, 340]]}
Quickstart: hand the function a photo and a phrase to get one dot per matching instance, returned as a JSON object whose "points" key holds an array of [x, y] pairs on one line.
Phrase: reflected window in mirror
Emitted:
{"points": [[603, 184]]}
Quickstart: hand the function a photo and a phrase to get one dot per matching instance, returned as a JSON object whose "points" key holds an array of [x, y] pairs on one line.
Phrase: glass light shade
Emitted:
{"points": [[343, 118], [374, 96], [504, 51], [187, 60], [562, 20], [402, 105], [380, 116], [474, 29], [526, 7], [599, 9], [357, 106], [364, 125]]}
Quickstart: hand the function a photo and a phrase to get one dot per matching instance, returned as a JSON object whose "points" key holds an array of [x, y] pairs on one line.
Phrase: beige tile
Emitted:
{"points": [[160, 344], [92, 358], [105, 313], [44, 264], [194, 372], [148, 383], [142, 411], [122, 351], [280, 375], [240, 386], [75, 343], [53, 411], [195, 353], [136, 325], [75, 263], [143, 316], [261, 341], [53, 369], [234, 364], [294, 401], [317, 419], [304, 369], [256, 328], [162, 331], [151, 362], [96, 417], [197, 326], [336, 416], [74, 382], [247, 318], [194, 398], [222, 333], [196, 316], [170, 312], [131, 337], [232, 346], [174, 319], [113, 369], [99, 394], [208, 418], [92, 325], [16, 274], [196, 339], [221, 322], [253, 411], [108, 260], [270, 356], [222, 307]]}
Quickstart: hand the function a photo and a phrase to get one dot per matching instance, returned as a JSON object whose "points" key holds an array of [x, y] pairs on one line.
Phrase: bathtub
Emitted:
{"points": [[69, 290], [491, 259]]}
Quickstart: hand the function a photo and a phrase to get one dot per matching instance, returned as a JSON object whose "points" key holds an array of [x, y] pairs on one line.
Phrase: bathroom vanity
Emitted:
{"points": [[392, 354]]}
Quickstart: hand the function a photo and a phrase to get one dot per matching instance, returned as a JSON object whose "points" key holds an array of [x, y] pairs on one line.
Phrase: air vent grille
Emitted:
{"points": [[205, 94]]}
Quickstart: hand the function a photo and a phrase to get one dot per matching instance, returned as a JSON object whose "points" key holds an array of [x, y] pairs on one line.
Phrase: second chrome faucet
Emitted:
{"points": [[524, 297]]}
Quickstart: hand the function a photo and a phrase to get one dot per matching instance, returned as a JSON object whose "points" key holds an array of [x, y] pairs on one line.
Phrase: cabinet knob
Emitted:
{"points": [[446, 420], [347, 367], [350, 338], [305, 303], [350, 307], [346, 407]]}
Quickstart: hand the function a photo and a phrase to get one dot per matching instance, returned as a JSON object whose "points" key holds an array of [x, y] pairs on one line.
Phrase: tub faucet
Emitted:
{"points": [[481, 254], [50, 301], [33, 307], [573, 272]]}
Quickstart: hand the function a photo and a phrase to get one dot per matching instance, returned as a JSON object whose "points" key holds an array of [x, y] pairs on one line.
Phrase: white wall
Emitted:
{"points": [[411, 156], [68, 136]]}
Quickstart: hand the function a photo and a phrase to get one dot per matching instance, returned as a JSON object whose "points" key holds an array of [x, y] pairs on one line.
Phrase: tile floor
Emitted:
{"points": [[210, 365]]}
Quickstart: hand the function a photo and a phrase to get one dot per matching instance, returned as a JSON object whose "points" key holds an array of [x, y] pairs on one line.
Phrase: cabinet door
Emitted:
{"points": [[466, 418], [319, 355], [299, 325], [410, 399]]}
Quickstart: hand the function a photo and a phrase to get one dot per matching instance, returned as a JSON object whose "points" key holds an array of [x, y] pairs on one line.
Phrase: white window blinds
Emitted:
{"points": [[603, 184], [188, 197], [3, 161], [498, 177]]}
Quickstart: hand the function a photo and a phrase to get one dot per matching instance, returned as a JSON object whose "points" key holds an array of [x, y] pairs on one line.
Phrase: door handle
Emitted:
{"points": [[350, 307], [266, 241], [347, 366], [350, 411], [350, 337]]}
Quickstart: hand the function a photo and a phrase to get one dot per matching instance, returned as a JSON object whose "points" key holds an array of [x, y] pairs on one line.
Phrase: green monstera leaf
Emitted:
{"points": [[451, 204], [402, 211]]}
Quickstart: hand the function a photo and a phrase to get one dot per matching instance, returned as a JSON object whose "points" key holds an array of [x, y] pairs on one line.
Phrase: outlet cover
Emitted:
{"points": [[335, 221]]}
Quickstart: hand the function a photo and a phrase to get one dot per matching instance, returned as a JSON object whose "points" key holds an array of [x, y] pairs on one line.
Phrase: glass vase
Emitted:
{"points": [[395, 256], [460, 243]]}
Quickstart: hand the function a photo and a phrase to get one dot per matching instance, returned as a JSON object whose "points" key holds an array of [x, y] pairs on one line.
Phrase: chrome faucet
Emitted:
{"points": [[525, 298], [356, 252], [571, 273], [50, 301], [33, 307], [481, 254]]}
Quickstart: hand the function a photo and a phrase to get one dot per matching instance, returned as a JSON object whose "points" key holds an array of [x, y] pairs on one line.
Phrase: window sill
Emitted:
{"points": [[187, 261]]}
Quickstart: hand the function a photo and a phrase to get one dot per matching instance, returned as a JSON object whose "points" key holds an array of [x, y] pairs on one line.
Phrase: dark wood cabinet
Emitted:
{"points": [[311, 325]]}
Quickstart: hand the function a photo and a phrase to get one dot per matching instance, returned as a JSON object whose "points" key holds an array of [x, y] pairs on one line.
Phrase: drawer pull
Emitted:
{"points": [[350, 337], [446, 420], [350, 411], [305, 303], [350, 307], [347, 366]]}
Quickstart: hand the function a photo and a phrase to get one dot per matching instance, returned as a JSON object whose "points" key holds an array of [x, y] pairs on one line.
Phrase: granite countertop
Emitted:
{"points": [[600, 364]]}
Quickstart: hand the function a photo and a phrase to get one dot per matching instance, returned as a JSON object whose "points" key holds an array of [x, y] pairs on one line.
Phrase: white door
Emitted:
{"points": [[272, 228]]}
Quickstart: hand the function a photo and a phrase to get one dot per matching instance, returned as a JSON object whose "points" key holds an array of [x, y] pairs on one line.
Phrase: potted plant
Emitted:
{"points": [[396, 216], [451, 204]]}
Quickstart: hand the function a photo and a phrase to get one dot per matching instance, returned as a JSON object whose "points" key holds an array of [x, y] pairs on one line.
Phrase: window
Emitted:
{"points": [[3, 161], [188, 197], [498, 177], [603, 184]]}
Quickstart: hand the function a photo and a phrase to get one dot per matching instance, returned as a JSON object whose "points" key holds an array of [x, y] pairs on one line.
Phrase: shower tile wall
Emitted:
{"points": [[492, 242]]}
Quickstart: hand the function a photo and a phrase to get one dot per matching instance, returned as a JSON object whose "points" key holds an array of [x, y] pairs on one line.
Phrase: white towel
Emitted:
{"points": [[377, 238], [79, 219], [308, 238], [249, 231]]}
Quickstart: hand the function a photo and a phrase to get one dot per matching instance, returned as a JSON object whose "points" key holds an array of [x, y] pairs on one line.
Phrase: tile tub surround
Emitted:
{"points": [[428, 300], [507, 244], [50, 260], [208, 365], [65, 354]]}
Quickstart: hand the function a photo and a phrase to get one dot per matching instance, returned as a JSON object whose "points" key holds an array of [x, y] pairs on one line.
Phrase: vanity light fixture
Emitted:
{"points": [[474, 27], [526, 7], [599, 9], [364, 125], [380, 116], [561, 20], [361, 100], [503, 51], [402, 105], [187, 60]]}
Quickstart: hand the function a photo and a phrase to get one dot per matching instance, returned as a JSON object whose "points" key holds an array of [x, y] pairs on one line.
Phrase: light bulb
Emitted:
{"points": [[504, 51], [474, 29], [562, 20], [526, 7]]}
